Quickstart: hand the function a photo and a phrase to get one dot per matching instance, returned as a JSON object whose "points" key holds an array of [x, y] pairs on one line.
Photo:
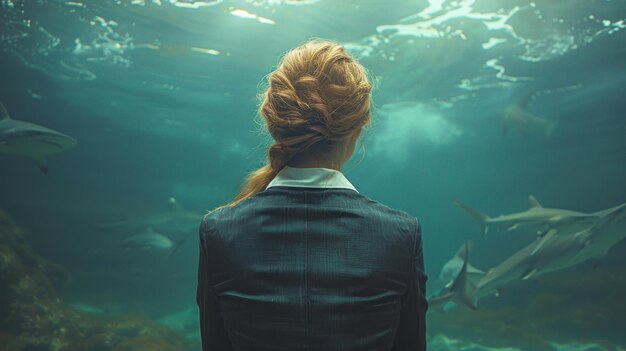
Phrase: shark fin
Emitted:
{"points": [[547, 236], [437, 303], [533, 202], [42, 163], [462, 287], [529, 273], [461, 253], [482, 218], [525, 100], [3, 113], [513, 227]]}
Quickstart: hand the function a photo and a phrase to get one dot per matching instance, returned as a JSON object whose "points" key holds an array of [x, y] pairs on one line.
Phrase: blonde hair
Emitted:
{"points": [[318, 95]]}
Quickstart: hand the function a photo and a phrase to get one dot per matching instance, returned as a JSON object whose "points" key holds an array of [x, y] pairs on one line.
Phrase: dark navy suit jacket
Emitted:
{"points": [[311, 269]]}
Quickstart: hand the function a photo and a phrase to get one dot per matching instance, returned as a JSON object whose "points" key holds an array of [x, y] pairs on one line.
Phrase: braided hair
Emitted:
{"points": [[317, 97]]}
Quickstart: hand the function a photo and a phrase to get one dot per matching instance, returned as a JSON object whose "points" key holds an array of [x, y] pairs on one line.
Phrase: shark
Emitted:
{"points": [[538, 219], [151, 240], [176, 218], [31, 140], [148, 239], [557, 253], [516, 116]]}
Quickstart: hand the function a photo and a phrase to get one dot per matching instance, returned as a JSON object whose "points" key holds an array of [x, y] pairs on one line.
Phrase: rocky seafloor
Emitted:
{"points": [[33, 317]]}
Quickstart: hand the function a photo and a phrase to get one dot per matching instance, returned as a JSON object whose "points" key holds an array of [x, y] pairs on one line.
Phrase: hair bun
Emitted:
{"points": [[317, 92]]}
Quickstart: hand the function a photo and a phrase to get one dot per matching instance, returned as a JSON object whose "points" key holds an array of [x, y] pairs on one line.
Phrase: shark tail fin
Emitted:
{"points": [[482, 218], [462, 288], [3, 112]]}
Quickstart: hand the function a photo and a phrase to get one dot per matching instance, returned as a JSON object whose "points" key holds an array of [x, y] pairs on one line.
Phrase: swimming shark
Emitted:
{"points": [[538, 219], [516, 116], [556, 253], [174, 219], [148, 239], [31, 140], [151, 240]]}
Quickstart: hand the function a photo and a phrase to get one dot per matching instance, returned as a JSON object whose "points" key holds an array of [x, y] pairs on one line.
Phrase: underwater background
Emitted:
{"points": [[161, 98]]}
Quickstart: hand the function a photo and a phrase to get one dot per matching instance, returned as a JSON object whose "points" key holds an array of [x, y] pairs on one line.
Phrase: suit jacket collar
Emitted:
{"points": [[311, 178]]}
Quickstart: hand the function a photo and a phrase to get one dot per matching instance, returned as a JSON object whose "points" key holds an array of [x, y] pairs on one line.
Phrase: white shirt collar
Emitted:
{"points": [[311, 178]]}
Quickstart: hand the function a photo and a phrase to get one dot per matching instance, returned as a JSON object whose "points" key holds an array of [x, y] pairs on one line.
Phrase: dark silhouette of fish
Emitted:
{"points": [[516, 116]]}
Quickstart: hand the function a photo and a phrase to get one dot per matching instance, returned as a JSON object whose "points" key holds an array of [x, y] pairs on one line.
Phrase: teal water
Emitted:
{"points": [[161, 98]]}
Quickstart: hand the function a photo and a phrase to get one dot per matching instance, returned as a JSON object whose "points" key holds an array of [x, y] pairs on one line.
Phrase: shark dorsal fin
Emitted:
{"points": [[525, 100], [3, 113], [462, 287], [464, 249], [533, 202], [460, 281]]}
